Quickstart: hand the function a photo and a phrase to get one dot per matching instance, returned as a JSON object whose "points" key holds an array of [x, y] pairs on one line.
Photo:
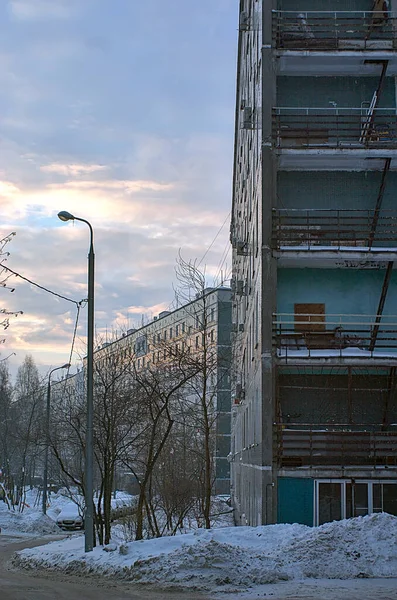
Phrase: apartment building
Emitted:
{"points": [[203, 322], [314, 234]]}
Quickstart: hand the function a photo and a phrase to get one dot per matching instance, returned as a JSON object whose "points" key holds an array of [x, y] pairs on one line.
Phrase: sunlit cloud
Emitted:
{"points": [[71, 170], [8, 189]]}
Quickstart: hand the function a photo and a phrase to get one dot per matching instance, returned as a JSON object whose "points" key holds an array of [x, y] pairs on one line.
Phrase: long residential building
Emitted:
{"points": [[205, 322], [314, 234]]}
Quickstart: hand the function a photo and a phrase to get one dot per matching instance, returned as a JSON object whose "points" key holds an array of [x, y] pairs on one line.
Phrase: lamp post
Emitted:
{"points": [[47, 437], [89, 445]]}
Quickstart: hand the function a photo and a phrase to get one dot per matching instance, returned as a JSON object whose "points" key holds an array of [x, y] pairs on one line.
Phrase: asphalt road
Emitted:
{"points": [[39, 585]]}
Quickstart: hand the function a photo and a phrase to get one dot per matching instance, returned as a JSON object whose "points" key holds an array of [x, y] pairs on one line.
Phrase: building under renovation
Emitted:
{"points": [[314, 234]]}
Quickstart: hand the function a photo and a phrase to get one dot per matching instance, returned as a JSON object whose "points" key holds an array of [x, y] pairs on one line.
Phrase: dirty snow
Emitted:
{"points": [[236, 558], [344, 559]]}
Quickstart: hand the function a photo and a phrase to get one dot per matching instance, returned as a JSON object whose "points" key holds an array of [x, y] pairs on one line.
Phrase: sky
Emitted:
{"points": [[122, 113]]}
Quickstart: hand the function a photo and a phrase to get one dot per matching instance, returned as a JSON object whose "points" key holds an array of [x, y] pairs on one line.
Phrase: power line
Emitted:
{"points": [[214, 240], [78, 303], [222, 261]]}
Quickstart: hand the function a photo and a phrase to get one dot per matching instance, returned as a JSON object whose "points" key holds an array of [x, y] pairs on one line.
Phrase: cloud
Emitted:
{"points": [[123, 117], [71, 170], [8, 189], [32, 10]]}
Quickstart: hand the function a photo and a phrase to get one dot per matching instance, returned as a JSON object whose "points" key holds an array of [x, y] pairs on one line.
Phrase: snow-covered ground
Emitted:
{"points": [[235, 559]]}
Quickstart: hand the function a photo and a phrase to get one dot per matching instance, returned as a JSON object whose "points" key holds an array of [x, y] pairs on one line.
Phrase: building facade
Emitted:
{"points": [[314, 235]]}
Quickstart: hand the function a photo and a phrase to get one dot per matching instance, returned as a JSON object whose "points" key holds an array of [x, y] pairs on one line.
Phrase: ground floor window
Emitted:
{"points": [[336, 499]]}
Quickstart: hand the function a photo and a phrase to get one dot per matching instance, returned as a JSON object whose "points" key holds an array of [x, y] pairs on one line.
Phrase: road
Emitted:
{"points": [[26, 585]]}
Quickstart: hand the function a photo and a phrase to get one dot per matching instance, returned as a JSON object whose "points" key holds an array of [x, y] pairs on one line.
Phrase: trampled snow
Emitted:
{"points": [[282, 558], [237, 557]]}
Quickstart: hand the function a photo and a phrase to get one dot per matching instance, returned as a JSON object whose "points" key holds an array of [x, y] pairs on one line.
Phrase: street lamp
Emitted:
{"points": [[89, 445], [47, 440]]}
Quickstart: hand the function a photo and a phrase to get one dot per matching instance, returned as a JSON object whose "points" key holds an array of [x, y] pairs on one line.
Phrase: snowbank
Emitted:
{"points": [[236, 557], [35, 524]]}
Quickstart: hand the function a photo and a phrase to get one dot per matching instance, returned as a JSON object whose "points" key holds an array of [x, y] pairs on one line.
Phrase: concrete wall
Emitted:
{"points": [[336, 190], [343, 291], [333, 92]]}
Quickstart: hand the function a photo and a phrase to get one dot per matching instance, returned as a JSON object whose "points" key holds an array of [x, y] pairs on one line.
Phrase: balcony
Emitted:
{"points": [[334, 43], [340, 138], [300, 444], [333, 30], [335, 339], [312, 234], [358, 128]]}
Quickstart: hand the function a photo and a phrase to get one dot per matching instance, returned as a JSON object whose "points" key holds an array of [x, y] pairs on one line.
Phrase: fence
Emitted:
{"points": [[333, 228], [328, 444], [333, 30], [362, 127], [335, 334]]}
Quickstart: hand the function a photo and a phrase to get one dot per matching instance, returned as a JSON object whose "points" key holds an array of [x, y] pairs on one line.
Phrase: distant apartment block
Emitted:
{"points": [[173, 333]]}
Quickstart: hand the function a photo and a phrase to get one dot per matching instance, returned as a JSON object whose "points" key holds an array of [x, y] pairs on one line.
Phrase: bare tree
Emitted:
{"points": [[5, 275], [157, 388], [200, 392], [28, 411], [7, 446]]}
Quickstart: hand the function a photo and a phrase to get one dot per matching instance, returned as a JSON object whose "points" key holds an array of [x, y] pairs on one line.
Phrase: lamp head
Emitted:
{"points": [[65, 216], [65, 366]]}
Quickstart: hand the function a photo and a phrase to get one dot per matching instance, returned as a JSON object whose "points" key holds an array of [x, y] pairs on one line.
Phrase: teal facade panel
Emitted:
{"points": [[335, 190], [343, 291], [333, 92], [295, 500]]}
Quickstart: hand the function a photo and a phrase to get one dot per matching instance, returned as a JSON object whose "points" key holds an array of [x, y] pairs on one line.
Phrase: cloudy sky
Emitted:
{"points": [[121, 112]]}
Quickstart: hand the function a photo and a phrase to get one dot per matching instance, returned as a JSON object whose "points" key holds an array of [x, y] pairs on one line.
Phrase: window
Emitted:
{"points": [[212, 314], [341, 499], [177, 330], [197, 341], [165, 335], [212, 335], [183, 327], [170, 332]]}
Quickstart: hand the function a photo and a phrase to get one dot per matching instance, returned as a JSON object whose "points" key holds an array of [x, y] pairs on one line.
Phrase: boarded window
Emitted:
{"points": [[309, 317]]}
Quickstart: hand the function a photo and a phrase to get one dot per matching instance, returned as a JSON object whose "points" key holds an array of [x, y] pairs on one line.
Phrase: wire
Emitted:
{"points": [[222, 261], [74, 336], [214, 240], [78, 304]]}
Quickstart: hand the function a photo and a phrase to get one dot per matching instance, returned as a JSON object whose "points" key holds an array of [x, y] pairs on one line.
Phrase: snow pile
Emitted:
{"points": [[31, 520], [236, 557], [26, 522]]}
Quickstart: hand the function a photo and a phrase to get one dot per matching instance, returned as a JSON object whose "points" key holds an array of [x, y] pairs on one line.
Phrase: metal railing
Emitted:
{"points": [[299, 444], [313, 335], [333, 30], [363, 127], [308, 229]]}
